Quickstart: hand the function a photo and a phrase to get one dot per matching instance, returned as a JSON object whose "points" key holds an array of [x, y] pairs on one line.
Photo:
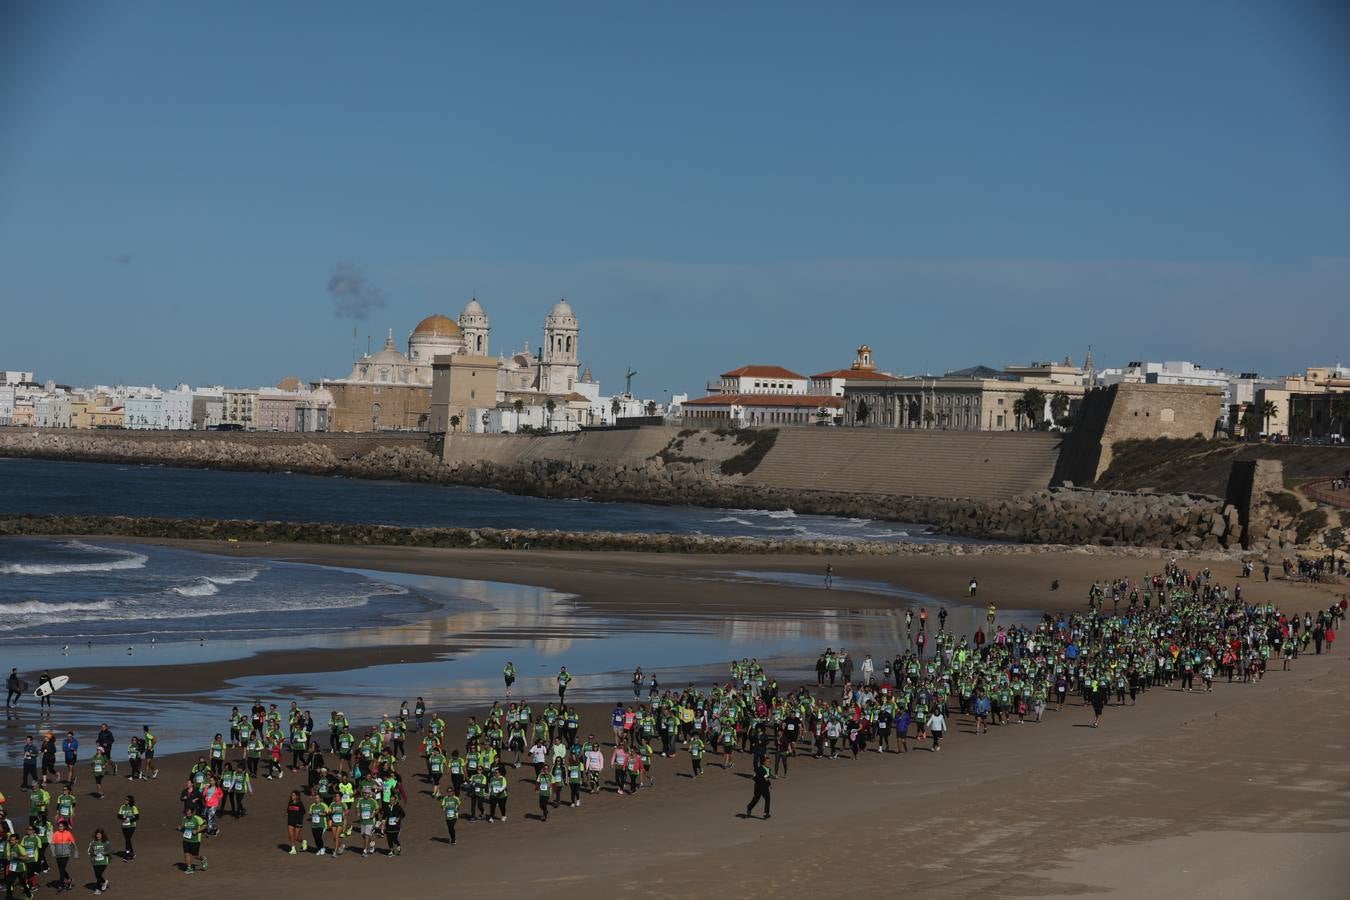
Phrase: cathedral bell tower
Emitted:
{"points": [[558, 362]]}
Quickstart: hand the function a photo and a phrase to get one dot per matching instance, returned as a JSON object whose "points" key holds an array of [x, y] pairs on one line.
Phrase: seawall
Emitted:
{"points": [[687, 471]]}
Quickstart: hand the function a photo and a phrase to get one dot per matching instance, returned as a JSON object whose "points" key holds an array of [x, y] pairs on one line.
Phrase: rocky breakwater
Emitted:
{"points": [[200, 451], [229, 532], [1060, 516]]}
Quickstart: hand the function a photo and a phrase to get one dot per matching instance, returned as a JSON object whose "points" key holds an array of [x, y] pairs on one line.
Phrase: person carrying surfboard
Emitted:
{"points": [[15, 687], [45, 697]]}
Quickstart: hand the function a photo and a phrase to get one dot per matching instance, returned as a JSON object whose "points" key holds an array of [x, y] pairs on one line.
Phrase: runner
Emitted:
{"points": [[99, 857], [393, 827], [191, 829], [129, 814], [763, 777], [295, 822], [450, 808]]}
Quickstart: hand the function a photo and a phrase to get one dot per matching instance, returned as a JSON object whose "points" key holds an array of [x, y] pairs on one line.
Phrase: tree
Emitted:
{"points": [[615, 406], [822, 416], [1059, 405], [1300, 423], [651, 407], [519, 406], [928, 418], [861, 412], [1251, 422], [1019, 410], [913, 412], [1269, 411], [1340, 413], [1033, 399], [454, 423]]}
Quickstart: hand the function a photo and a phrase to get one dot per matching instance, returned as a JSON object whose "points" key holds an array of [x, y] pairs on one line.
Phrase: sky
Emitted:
{"points": [[708, 185]]}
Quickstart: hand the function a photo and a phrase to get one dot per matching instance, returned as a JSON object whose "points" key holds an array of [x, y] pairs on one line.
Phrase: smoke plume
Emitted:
{"points": [[353, 296]]}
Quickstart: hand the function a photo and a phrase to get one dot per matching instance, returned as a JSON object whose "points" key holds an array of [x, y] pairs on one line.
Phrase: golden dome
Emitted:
{"points": [[437, 326]]}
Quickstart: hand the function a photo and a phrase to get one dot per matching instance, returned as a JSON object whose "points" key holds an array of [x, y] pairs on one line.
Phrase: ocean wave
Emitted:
{"points": [[208, 585], [233, 579], [31, 614], [734, 520], [127, 560], [202, 587]]}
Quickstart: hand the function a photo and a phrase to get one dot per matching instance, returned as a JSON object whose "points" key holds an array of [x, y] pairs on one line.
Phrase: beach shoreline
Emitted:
{"points": [[926, 807]]}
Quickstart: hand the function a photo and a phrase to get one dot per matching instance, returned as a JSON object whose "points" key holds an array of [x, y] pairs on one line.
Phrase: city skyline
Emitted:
{"points": [[709, 189]]}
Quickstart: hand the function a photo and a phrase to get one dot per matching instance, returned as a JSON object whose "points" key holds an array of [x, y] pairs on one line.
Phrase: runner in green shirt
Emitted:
{"points": [[450, 806], [192, 828]]}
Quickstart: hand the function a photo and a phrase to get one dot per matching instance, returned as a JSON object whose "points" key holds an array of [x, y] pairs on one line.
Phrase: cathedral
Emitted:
{"points": [[393, 390]]}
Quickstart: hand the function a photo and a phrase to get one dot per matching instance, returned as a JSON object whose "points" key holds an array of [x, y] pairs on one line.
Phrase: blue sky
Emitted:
{"points": [[709, 185]]}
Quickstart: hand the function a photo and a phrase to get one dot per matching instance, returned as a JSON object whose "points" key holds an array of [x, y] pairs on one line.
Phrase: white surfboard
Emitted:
{"points": [[52, 686]]}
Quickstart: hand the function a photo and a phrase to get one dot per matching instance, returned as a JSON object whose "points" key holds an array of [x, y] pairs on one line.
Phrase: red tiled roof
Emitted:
{"points": [[798, 401], [856, 374], [761, 372]]}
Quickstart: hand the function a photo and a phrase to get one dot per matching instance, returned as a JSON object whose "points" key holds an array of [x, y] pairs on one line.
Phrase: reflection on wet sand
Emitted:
{"points": [[481, 624]]}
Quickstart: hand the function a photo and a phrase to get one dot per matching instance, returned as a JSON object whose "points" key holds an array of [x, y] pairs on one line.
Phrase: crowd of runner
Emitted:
{"points": [[1171, 629]]}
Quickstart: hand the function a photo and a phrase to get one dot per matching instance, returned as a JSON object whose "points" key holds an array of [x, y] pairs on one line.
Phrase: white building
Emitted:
{"points": [[1170, 372], [6, 403], [177, 408], [53, 411], [15, 376], [143, 413], [760, 380]]}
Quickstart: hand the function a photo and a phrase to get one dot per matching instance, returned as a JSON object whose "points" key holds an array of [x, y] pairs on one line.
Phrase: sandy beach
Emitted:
{"points": [[1233, 794]]}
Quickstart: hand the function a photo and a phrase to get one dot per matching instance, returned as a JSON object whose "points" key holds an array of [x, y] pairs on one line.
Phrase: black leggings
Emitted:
{"points": [[318, 837], [98, 875], [450, 827], [127, 835], [61, 863]]}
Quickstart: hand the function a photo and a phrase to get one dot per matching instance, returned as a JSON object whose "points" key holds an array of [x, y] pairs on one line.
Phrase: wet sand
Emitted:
{"points": [[1232, 794]]}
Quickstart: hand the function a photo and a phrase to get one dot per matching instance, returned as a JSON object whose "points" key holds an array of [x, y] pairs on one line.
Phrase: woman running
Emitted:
{"points": [[100, 855], [295, 821], [129, 815], [393, 825], [63, 848]]}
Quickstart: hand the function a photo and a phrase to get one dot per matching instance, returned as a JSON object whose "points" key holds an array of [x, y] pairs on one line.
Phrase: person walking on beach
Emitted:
{"points": [[70, 748], [30, 763], [63, 849], [295, 823], [763, 776], [509, 676], [129, 815], [191, 828], [937, 726], [100, 855], [829, 575], [564, 679], [45, 702], [14, 687]]}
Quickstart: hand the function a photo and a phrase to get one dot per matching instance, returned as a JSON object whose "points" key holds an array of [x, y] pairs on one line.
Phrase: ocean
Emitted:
{"points": [[42, 487]]}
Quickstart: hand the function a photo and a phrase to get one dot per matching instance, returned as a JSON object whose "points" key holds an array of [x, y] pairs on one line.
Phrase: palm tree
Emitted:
{"points": [[928, 418], [1019, 410], [1033, 399], [1340, 412], [861, 412], [1059, 405], [651, 407], [519, 406], [454, 423], [1269, 411], [615, 406]]}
